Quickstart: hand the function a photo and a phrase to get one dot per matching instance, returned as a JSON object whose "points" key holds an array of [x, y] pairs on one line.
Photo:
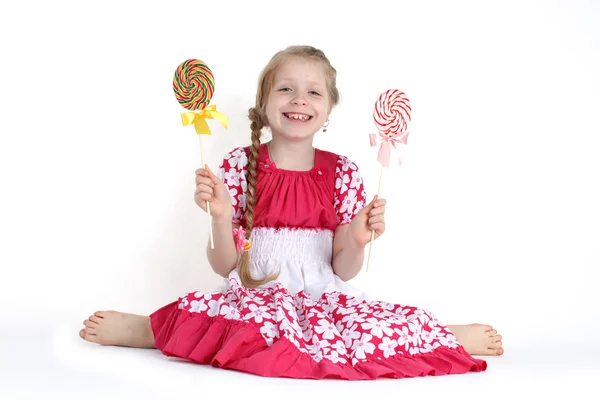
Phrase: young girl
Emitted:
{"points": [[290, 225]]}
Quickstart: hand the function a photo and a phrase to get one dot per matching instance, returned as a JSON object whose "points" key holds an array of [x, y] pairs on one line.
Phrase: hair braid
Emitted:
{"points": [[251, 178]]}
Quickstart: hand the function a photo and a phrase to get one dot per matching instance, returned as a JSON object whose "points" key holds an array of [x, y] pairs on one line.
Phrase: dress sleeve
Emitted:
{"points": [[350, 195], [232, 171]]}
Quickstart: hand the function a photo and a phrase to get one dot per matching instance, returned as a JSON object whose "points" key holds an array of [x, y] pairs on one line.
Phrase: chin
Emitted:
{"points": [[297, 136]]}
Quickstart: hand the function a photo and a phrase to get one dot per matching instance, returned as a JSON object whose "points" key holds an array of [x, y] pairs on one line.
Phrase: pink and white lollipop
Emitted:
{"points": [[392, 112], [391, 115]]}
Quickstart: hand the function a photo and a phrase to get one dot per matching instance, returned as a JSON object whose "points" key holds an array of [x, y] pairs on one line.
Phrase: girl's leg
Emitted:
{"points": [[112, 328], [478, 339]]}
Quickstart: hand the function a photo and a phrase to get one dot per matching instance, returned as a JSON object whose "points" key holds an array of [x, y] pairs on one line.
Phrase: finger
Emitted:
{"points": [[375, 219], [205, 180], [377, 211], [202, 188], [378, 227], [377, 202], [203, 172], [203, 197]]}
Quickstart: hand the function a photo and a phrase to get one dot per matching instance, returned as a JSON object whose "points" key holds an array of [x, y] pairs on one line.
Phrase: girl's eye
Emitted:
{"points": [[284, 89], [315, 93]]}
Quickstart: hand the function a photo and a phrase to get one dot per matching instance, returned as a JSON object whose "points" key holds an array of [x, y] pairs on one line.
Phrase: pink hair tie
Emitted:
{"points": [[241, 242]]}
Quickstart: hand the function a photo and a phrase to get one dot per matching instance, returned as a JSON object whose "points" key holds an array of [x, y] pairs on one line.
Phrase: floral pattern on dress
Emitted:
{"points": [[232, 171], [350, 194], [337, 327]]}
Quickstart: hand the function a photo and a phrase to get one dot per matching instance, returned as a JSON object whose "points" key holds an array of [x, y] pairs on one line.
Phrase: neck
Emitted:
{"points": [[296, 156]]}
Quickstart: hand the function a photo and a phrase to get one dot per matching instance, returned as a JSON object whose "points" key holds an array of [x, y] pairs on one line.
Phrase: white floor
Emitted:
{"points": [[53, 362]]}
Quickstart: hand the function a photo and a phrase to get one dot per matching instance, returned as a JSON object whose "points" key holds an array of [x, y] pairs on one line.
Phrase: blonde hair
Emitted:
{"points": [[258, 116]]}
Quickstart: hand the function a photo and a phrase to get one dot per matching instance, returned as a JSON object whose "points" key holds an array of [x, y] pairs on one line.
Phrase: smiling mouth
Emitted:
{"points": [[298, 117]]}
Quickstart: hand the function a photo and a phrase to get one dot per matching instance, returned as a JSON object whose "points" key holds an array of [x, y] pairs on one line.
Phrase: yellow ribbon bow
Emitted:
{"points": [[198, 119]]}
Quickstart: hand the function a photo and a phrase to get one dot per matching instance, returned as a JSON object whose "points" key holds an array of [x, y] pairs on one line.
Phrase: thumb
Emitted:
{"points": [[212, 176], [371, 205]]}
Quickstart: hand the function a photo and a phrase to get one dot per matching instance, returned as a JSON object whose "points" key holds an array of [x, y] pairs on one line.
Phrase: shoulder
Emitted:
{"points": [[350, 194], [342, 163], [236, 158], [346, 165], [233, 165]]}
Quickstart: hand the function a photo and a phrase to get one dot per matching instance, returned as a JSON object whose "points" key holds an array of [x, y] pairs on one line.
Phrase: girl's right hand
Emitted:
{"points": [[210, 188]]}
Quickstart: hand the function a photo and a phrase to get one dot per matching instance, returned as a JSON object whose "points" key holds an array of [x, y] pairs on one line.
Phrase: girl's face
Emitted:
{"points": [[298, 104]]}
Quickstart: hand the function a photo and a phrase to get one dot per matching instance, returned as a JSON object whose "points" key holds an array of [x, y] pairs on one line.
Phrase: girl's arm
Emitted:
{"points": [[225, 256], [348, 256], [349, 199]]}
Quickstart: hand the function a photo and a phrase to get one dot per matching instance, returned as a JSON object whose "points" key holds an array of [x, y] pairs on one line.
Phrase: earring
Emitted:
{"points": [[326, 125]]}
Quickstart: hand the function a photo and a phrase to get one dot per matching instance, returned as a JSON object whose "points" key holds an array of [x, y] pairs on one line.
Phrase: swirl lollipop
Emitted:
{"points": [[392, 111], [194, 85], [392, 115]]}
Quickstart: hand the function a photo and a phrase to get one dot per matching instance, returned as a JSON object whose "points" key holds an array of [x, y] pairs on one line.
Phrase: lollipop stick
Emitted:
{"points": [[373, 232], [210, 233]]}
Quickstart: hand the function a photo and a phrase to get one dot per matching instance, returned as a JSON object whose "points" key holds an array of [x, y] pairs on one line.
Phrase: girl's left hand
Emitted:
{"points": [[370, 218]]}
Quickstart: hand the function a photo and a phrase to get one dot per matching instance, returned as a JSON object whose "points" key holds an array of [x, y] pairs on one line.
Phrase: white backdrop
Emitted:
{"points": [[492, 218]]}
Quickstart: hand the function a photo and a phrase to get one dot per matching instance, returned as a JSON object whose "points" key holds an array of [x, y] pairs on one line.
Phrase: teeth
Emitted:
{"points": [[298, 117]]}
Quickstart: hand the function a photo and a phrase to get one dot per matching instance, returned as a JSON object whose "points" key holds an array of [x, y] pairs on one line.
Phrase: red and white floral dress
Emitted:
{"points": [[308, 323]]}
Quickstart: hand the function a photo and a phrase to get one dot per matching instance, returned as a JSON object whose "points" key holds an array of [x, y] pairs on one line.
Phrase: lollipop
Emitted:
{"points": [[391, 115], [194, 85]]}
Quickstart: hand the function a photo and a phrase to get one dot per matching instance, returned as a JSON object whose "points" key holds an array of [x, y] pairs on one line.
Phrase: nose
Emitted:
{"points": [[299, 99]]}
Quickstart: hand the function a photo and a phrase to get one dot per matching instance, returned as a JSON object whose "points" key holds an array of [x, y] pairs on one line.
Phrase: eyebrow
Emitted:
{"points": [[289, 79]]}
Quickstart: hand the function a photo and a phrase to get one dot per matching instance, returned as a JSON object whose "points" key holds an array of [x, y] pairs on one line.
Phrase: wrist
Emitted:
{"points": [[222, 219], [352, 241]]}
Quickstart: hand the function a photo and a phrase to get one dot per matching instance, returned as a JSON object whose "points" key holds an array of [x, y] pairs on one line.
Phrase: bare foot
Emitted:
{"points": [[478, 339], [112, 328]]}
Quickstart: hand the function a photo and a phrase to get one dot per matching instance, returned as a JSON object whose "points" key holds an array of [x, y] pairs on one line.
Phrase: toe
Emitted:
{"points": [[496, 338], [496, 345], [492, 332], [87, 336], [100, 314], [500, 351], [490, 352], [95, 319], [90, 324]]}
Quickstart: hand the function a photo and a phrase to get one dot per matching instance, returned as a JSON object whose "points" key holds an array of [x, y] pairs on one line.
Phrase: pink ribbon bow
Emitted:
{"points": [[387, 141], [241, 242]]}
